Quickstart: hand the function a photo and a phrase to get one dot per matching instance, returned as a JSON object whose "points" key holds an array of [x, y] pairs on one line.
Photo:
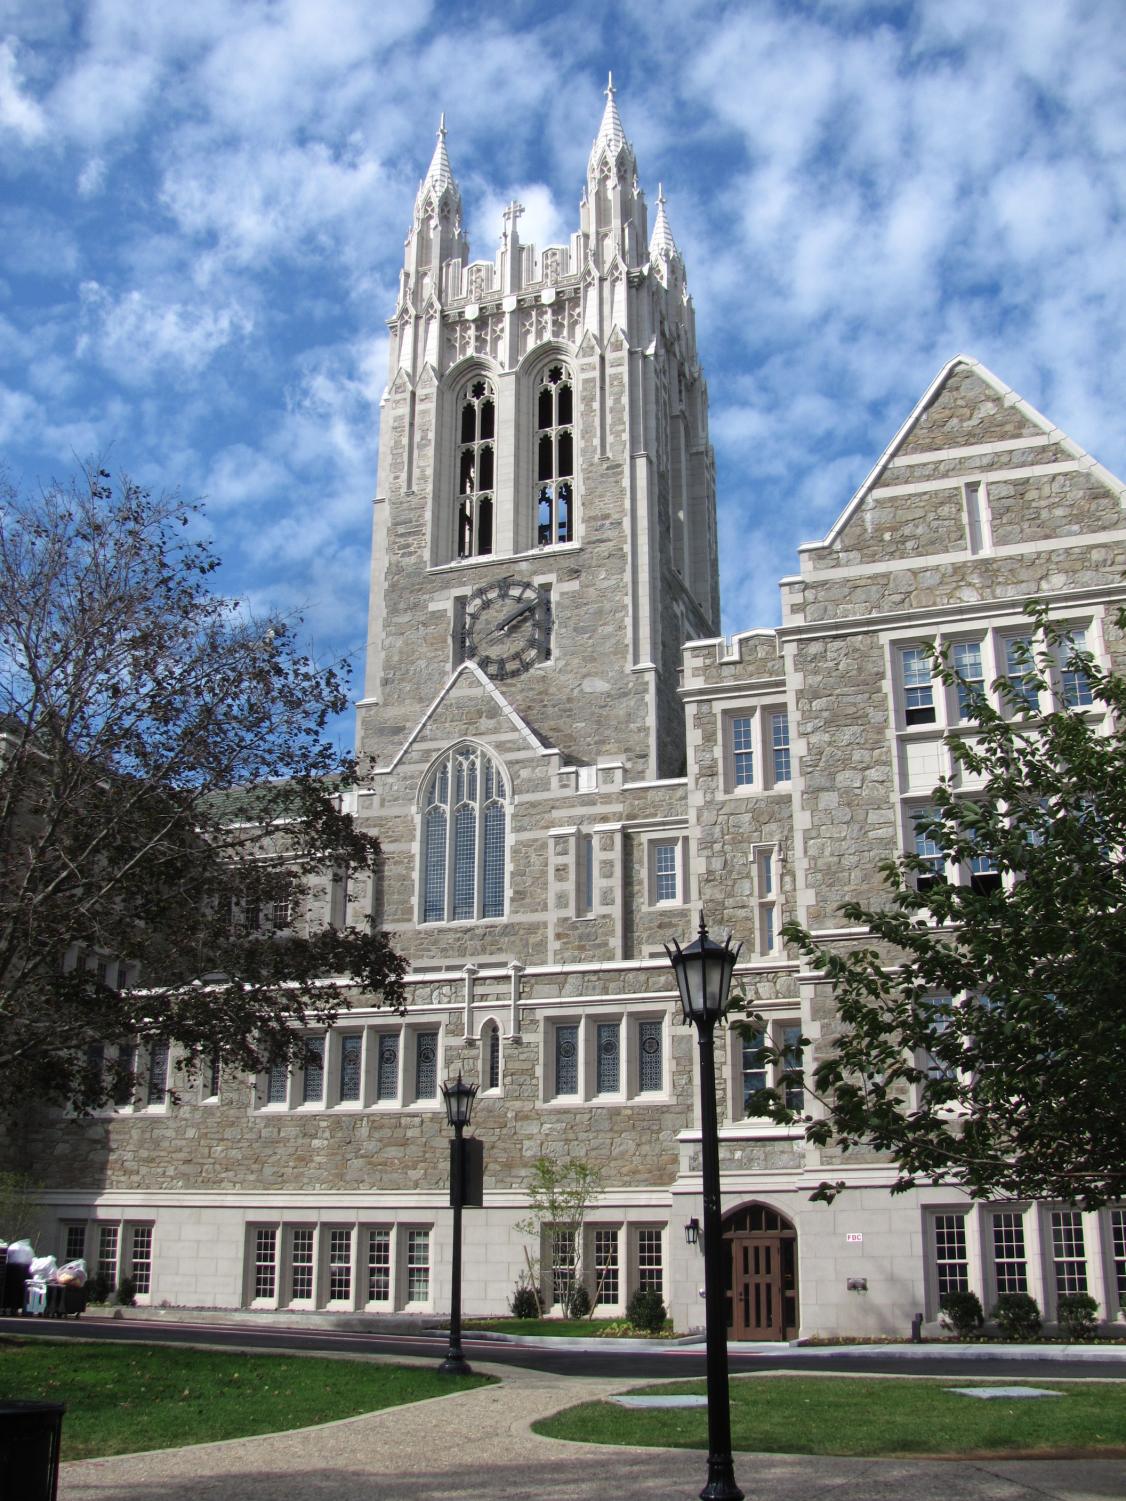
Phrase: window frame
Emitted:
{"points": [[489, 770], [629, 1023], [657, 842], [750, 729], [558, 432], [778, 1024]]}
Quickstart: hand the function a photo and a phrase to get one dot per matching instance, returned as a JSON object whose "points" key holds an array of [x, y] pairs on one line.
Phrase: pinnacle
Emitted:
{"points": [[438, 174], [610, 132], [661, 241]]}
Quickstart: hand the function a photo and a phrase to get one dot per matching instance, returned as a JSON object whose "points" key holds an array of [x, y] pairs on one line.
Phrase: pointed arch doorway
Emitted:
{"points": [[762, 1272]]}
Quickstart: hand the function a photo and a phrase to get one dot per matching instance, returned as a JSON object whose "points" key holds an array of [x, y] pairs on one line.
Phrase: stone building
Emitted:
{"points": [[569, 759]]}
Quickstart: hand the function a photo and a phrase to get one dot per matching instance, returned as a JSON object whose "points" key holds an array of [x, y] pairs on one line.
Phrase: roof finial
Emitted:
{"points": [[442, 126], [609, 90]]}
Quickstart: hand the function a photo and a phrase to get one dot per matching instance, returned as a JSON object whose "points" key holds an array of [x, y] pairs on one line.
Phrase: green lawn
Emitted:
{"points": [[122, 1398], [863, 1416]]}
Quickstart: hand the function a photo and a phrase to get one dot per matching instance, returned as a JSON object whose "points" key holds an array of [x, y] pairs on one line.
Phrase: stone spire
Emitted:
{"points": [[661, 241], [438, 177], [610, 135]]}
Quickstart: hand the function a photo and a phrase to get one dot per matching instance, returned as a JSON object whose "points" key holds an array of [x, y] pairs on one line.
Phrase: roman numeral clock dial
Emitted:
{"points": [[507, 627]]}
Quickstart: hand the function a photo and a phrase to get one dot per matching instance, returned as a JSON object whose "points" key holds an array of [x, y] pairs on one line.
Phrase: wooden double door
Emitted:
{"points": [[762, 1299]]}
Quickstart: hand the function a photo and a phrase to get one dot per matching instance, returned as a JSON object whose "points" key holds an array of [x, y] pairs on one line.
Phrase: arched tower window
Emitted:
{"points": [[555, 457], [464, 843], [476, 468]]}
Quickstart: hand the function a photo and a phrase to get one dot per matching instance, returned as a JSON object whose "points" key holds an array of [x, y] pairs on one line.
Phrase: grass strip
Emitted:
{"points": [[122, 1398], [857, 1416]]}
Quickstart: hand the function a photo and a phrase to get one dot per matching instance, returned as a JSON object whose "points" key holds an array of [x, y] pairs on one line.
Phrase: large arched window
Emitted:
{"points": [[555, 457], [476, 468], [464, 811]]}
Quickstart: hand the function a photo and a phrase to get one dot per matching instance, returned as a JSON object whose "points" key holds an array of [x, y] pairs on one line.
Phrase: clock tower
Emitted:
{"points": [[545, 513]]}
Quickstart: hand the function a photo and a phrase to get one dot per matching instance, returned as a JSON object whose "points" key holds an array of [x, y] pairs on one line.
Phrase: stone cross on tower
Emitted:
{"points": [[511, 214]]}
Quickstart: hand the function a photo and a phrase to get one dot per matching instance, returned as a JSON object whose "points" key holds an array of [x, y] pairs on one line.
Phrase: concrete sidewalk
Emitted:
{"points": [[478, 1444]]}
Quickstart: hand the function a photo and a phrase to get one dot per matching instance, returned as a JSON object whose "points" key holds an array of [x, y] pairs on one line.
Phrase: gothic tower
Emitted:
{"points": [[546, 497]]}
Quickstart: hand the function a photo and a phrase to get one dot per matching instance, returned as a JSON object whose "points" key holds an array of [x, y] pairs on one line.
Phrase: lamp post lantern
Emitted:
{"points": [[703, 975], [459, 1107]]}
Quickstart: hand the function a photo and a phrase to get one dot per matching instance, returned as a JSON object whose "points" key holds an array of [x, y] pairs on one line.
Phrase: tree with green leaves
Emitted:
{"points": [[559, 1195], [980, 1032], [168, 799]]}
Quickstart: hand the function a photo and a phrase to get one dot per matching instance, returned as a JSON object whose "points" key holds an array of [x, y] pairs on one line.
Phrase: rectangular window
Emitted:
{"points": [[918, 689], [609, 1057], [1009, 1261], [158, 1073], [277, 1083], [1068, 1253], [339, 1266], [585, 866], [562, 1265], [1020, 669], [780, 745], [351, 1053], [313, 1074], [650, 1262], [281, 911], [567, 1060], [140, 1264], [125, 1076], [665, 885], [607, 1287], [650, 1061], [975, 531], [965, 658], [214, 1069], [418, 1266], [265, 1262], [107, 1252], [301, 1265], [742, 750], [950, 1258], [379, 1266], [492, 1056], [793, 1090], [928, 850], [1118, 1243], [754, 1066], [75, 1242], [426, 1066], [1074, 686], [387, 1078]]}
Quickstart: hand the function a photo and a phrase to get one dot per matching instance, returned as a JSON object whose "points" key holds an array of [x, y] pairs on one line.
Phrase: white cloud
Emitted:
{"points": [[92, 177], [19, 113], [133, 335]]}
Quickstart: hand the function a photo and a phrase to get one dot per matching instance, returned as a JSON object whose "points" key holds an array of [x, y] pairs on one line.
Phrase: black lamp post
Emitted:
{"points": [[459, 1106], [703, 975]]}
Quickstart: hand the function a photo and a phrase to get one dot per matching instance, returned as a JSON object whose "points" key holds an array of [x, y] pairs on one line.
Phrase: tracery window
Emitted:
{"points": [[555, 457], [476, 468], [464, 844]]}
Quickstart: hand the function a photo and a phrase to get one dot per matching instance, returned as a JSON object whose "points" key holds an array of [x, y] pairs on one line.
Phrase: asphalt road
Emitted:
{"points": [[656, 1364]]}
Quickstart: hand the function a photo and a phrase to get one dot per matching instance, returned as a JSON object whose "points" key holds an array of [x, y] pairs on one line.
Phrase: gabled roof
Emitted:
{"points": [[472, 671], [1008, 396]]}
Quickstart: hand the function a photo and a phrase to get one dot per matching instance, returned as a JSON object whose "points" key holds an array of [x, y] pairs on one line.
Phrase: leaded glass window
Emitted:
{"points": [[567, 1059], [609, 1057], [464, 877], [476, 469], [158, 1072], [313, 1077], [426, 1065], [492, 1056], [555, 457], [351, 1054], [650, 1070], [277, 1083], [387, 1078]]}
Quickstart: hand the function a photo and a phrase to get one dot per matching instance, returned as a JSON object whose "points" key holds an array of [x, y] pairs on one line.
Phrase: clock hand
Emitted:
{"points": [[514, 615]]}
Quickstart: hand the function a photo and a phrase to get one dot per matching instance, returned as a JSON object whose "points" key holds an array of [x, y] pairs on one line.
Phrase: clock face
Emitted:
{"points": [[507, 627]]}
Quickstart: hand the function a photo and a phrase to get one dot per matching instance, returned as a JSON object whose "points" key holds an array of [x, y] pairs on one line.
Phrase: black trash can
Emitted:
{"points": [[30, 1435]]}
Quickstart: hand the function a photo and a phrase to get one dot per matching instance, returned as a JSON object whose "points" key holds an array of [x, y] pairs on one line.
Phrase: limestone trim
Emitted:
{"points": [[956, 481], [1008, 395], [978, 450]]}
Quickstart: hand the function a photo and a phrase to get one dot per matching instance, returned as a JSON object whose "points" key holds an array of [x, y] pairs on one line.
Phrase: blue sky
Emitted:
{"points": [[204, 203]]}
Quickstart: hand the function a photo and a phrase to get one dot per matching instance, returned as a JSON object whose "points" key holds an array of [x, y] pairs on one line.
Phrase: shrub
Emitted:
{"points": [[646, 1311], [1078, 1314], [524, 1304], [578, 1304], [961, 1312], [126, 1293], [1017, 1315], [99, 1289]]}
